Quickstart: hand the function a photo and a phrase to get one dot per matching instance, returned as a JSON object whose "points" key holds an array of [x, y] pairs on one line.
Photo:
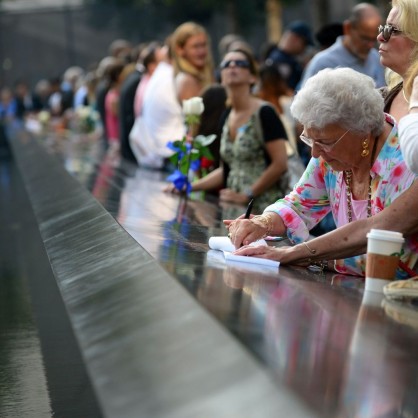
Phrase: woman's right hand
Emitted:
{"points": [[244, 231]]}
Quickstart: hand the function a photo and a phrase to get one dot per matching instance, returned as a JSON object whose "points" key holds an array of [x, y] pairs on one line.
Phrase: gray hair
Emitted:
{"points": [[340, 96]]}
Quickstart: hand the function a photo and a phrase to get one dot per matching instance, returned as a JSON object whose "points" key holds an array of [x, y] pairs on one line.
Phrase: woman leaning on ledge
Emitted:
{"points": [[356, 171], [398, 40]]}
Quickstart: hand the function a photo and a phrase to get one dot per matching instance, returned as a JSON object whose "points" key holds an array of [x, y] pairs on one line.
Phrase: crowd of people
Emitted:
{"points": [[344, 99]]}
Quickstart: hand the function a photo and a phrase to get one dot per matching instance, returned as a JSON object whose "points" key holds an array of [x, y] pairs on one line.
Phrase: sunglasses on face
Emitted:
{"points": [[387, 31], [237, 63]]}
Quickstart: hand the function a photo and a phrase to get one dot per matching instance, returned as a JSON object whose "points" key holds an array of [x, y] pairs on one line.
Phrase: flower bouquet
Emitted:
{"points": [[85, 119], [189, 150]]}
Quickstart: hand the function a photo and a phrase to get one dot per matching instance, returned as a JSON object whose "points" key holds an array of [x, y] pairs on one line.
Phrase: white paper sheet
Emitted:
{"points": [[225, 245]]}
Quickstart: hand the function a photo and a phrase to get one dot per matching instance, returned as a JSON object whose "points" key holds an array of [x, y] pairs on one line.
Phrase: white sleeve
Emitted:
{"points": [[408, 139]]}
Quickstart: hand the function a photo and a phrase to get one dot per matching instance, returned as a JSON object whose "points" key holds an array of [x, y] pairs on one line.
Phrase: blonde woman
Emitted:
{"points": [[192, 60], [398, 49]]}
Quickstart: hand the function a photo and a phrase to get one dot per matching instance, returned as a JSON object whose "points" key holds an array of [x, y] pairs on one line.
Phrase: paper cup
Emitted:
{"points": [[383, 252]]}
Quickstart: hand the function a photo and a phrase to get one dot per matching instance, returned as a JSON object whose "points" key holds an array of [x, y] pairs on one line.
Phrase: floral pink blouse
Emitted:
{"points": [[319, 191]]}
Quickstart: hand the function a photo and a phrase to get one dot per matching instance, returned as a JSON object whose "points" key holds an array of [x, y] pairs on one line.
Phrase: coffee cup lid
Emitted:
{"points": [[384, 235]]}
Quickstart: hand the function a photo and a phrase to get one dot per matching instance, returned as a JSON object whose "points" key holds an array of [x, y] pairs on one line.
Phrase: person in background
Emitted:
{"points": [[253, 150], [161, 119], [101, 90], [71, 81], [121, 49], [355, 49], [214, 100], [225, 45], [398, 49], [356, 170], [55, 97], [91, 81], [41, 94], [8, 105], [192, 60], [126, 110], [285, 56], [272, 88], [24, 99], [327, 35], [112, 105], [85, 94], [118, 49], [408, 125], [150, 57]]}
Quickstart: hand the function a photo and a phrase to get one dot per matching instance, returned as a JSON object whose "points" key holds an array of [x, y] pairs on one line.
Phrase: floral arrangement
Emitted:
{"points": [[44, 117], [189, 150], [85, 119]]}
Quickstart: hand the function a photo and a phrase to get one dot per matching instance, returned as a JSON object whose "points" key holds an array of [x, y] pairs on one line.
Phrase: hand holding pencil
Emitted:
{"points": [[248, 228]]}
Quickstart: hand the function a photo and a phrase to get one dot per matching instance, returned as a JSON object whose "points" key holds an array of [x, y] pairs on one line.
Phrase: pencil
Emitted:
{"points": [[249, 209]]}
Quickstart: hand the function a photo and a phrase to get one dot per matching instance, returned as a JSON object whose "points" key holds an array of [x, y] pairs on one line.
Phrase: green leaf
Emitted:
{"points": [[178, 143], [184, 166], [194, 156], [174, 158], [207, 154]]}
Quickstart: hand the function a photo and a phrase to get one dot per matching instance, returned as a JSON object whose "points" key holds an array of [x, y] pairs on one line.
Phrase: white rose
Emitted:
{"points": [[193, 106], [44, 116], [83, 112]]}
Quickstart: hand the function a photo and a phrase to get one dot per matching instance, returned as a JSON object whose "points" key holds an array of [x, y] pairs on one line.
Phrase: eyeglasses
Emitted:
{"points": [[237, 63], [324, 147], [387, 31]]}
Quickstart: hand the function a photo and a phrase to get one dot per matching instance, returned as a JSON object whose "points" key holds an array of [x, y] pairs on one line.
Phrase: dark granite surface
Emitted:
{"points": [[249, 343], [42, 373]]}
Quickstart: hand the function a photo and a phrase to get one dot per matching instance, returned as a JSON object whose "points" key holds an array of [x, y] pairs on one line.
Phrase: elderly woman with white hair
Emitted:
{"points": [[356, 170]]}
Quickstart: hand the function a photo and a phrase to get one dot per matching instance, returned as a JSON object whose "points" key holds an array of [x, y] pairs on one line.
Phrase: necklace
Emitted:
{"points": [[404, 96], [348, 180]]}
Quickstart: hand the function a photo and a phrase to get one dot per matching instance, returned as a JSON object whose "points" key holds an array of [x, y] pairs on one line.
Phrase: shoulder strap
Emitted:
{"points": [[290, 151], [257, 126]]}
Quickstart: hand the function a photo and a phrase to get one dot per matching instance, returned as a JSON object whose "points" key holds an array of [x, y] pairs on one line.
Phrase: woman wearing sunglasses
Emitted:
{"points": [[253, 150], [398, 49], [356, 169]]}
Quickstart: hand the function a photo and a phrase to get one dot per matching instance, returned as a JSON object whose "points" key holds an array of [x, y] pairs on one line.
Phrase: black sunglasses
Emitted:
{"points": [[387, 31], [237, 63]]}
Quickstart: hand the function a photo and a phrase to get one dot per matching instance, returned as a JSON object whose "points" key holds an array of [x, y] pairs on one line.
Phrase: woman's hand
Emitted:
{"points": [[244, 231], [260, 251], [228, 195], [283, 254], [170, 188]]}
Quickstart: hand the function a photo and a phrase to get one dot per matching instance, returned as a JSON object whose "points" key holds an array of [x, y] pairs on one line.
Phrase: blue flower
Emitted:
{"points": [[195, 165], [180, 181], [170, 145]]}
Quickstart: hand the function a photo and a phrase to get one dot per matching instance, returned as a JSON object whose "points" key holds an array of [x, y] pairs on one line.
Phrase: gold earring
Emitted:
{"points": [[365, 146]]}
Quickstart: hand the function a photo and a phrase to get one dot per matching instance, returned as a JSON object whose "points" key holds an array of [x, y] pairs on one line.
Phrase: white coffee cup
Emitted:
{"points": [[383, 252]]}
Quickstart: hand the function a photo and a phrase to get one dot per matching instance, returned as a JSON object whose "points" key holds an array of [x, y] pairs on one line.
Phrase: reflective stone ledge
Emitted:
{"points": [[151, 350]]}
